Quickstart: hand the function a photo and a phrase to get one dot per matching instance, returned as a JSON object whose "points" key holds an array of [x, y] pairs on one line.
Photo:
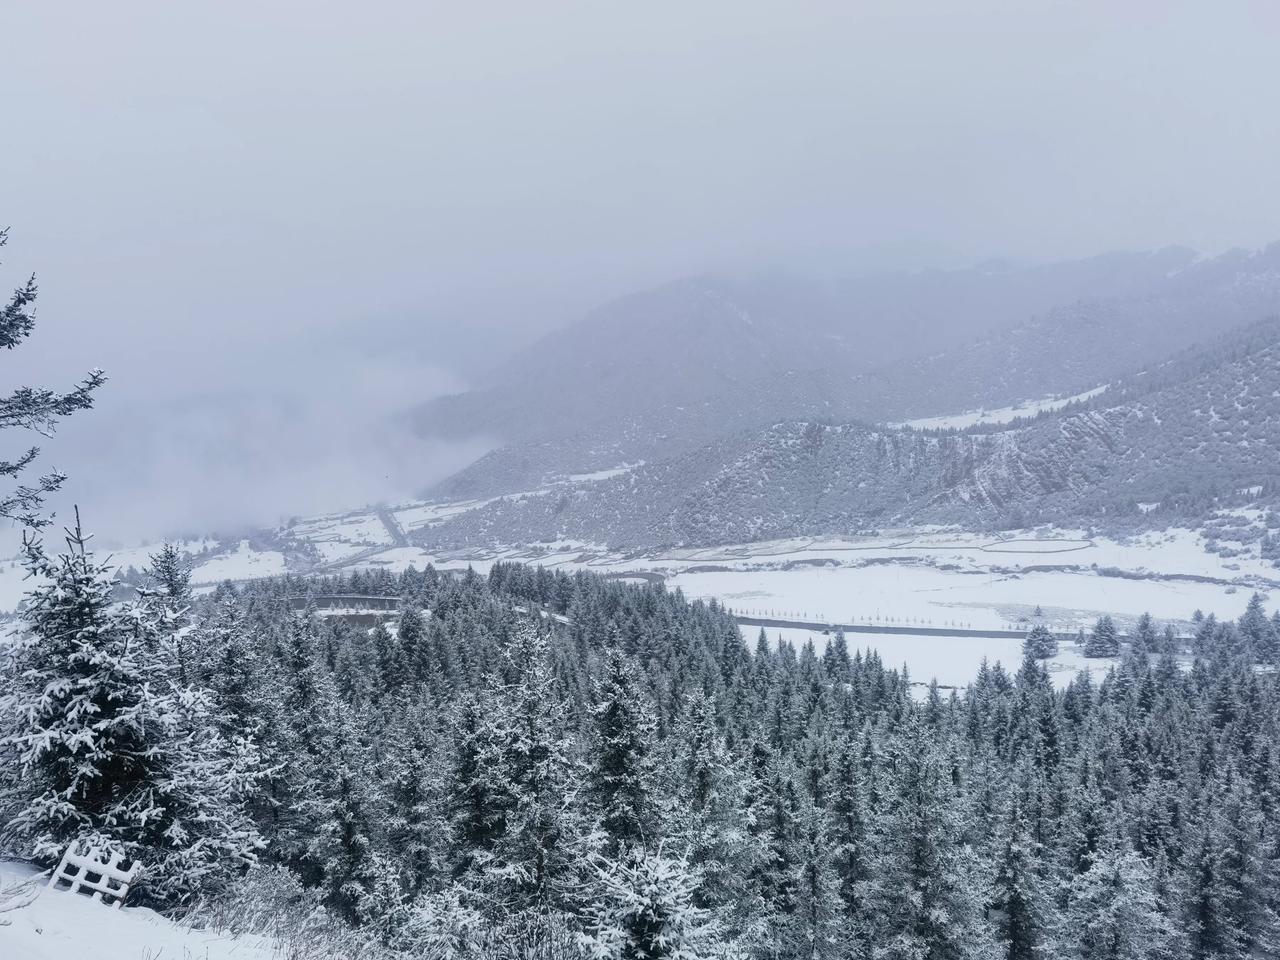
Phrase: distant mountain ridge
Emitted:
{"points": [[1160, 445], [662, 373]]}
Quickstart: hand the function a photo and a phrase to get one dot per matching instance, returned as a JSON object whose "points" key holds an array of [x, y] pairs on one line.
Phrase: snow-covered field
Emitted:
{"points": [[364, 529], [57, 925], [924, 576], [933, 577], [243, 563], [952, 661], [975, 599], [415, 515], [971, 418], [338, 537]]}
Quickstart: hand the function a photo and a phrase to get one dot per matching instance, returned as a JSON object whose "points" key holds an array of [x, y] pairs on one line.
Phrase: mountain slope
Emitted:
{"points": [[1171, 443], [662, 373]]}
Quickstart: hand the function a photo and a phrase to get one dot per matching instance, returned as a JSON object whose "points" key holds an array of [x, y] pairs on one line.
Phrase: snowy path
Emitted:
{"points": [[394, 530]]}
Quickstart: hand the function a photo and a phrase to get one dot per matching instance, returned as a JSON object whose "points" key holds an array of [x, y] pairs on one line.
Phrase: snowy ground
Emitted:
{"points": [[415, 515], [952, 661], [926, 576], [903, 593], [932, 577], [56, 925], [242, 563], [970, 418]]}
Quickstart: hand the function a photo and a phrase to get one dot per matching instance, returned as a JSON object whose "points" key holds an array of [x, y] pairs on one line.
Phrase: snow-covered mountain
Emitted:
{"points": [[661, 373], [1157, 445]]}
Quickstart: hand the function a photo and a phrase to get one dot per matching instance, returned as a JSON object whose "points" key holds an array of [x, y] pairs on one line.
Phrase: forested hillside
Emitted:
{"points": [[661, 373], [1167, 445], [536, 765]]}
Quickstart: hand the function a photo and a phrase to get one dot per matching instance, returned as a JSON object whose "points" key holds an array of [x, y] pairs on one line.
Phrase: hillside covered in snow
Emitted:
{"points": [[661, 373], [1162, 445]]}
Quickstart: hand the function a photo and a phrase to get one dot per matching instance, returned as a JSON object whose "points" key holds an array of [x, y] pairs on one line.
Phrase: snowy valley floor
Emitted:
{"points": [[923, 577]]}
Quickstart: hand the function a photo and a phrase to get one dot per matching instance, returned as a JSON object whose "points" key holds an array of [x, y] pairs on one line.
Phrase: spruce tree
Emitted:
{"points": [[414, 783], [1020, 901], [1259, 632], [518, 837], [813, 928], [299, 746], [112, 751], [33, 408], [934, 890], [1103, 640], [853, 855], [1145, 638], [643, 908], [1112, 912], [710, 818], [1040, 643], [360, 883], [620, 772]]}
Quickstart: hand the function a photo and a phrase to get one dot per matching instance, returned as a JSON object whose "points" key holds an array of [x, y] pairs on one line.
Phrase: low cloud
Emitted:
{"points": [[325, 432]]}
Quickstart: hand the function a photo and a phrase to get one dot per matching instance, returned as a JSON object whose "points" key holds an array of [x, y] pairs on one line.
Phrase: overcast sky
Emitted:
{"points": [[274, 223]]}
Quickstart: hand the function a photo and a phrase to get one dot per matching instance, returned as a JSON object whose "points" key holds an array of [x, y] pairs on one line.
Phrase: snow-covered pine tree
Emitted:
{"points": [[414, 784], [1231, 899], [232, 668], [835, 659], [853, 857], [166, 597], [534, 856], [1103, 640], [644, 909], [361, 884], [1040, 643], [620, 769], [1259, 632], [778, 829], [1146, 639], [1020, 905], [1112, 912], [934, 890], [208, 771], [477, 794], [33, 408], [80, 715], [393, 666], [813, 930], [298, 745], [710, 818], [110, 750], [515, 835], [205, 787]]}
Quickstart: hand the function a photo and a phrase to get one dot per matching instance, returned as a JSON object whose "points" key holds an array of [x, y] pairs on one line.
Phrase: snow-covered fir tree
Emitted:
{"points": [[111, 751], [1040, 643], [1104, 640], [38, 409], [620, 774]]}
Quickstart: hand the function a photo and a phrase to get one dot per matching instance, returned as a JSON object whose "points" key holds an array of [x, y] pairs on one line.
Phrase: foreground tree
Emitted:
{"points": [[934, 892], [645, 909], [33, 408], [1113, 913], [108, 750], [515, 836], [620, 776]]}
